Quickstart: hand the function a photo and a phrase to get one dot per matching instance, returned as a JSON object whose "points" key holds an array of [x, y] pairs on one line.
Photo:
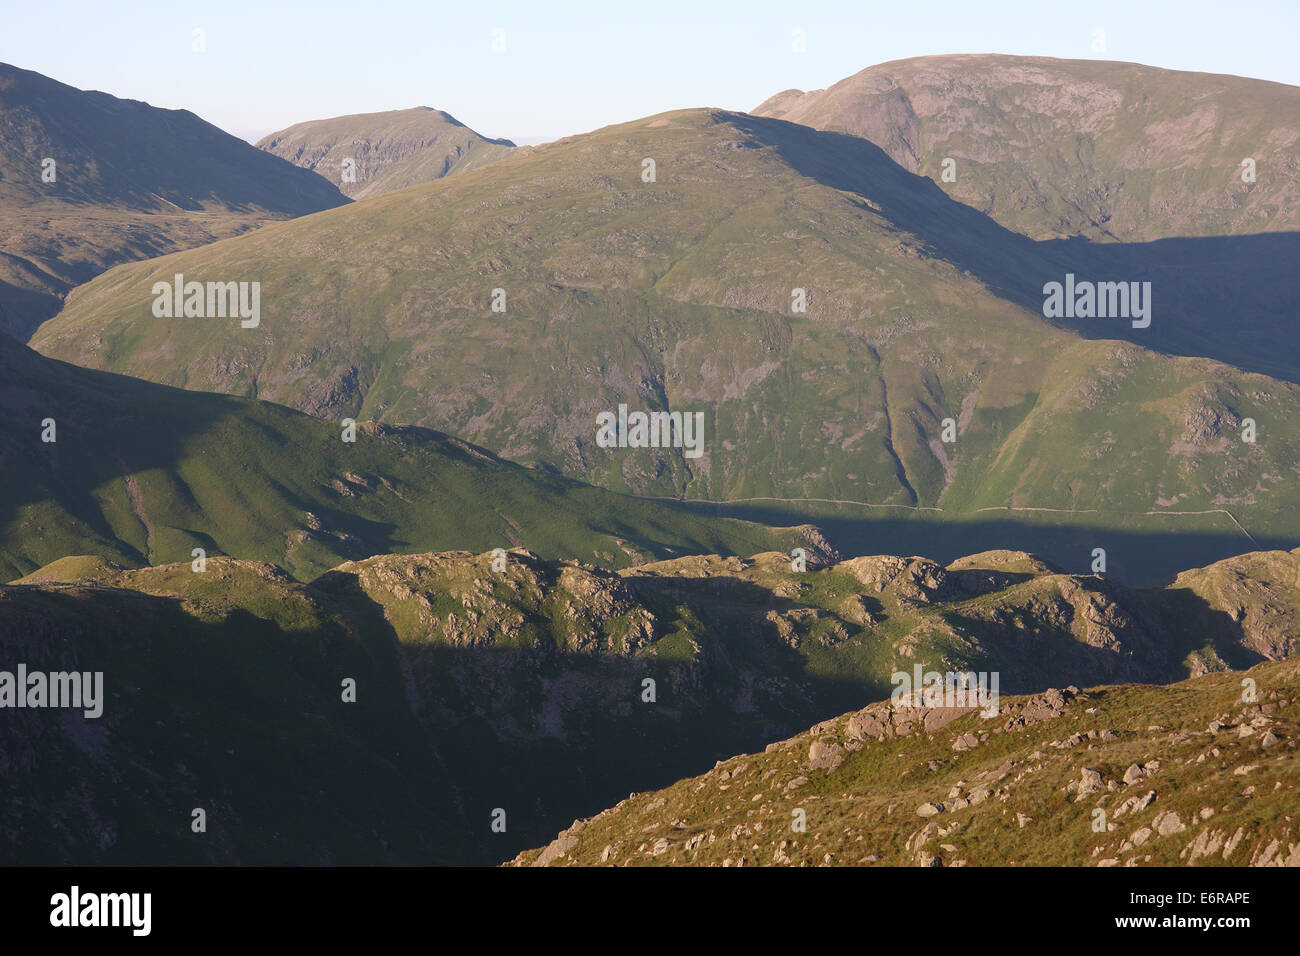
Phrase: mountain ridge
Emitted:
{"points": [[615, 298], [385, 151], [1172, 140], [129, 181]]}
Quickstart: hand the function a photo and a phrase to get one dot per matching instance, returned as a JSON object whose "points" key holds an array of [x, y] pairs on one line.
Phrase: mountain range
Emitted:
{"points": [[137, 473], [539, 481], [825, 309]]}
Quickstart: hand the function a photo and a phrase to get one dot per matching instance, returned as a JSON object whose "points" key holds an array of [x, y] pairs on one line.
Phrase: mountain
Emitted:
{"points": [[130, 181], [385, 151], [140, 473], [1057, 148], [546, 689], [1191, 774], [681, 295]]}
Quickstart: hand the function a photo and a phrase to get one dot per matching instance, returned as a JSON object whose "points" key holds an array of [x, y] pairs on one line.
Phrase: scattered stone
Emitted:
{"points": [[1090, 782], [1045, 706], [1168, 822], [825, 755], [1135, 804]]}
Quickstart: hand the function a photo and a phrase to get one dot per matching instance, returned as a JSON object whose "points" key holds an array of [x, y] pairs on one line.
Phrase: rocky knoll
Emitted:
{"points": [[1203, 772]]}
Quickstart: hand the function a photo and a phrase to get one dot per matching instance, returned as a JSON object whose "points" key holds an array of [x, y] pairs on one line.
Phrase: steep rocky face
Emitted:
{"points": [[1201, 773], [1054, 148], [372, 153], [88, 181]]}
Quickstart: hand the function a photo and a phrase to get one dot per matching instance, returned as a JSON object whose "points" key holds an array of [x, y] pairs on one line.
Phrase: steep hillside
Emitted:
{"points": [[129, 181], [1193, 774], [139, 473], [213, 686], [681, 294], [545, 689], [1055, 148], [381, 152]]}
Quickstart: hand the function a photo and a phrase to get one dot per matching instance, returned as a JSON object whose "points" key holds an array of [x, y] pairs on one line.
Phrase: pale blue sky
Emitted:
{"points": [[569, 67]]}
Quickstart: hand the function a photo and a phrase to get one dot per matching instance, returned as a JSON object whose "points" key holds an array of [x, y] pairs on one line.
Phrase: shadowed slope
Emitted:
{"points": [[129, 181]]}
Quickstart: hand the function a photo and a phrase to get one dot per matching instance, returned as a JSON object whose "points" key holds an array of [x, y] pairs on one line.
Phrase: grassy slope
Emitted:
{"points": [[676, 294], [1209, 789], [142, 473]]}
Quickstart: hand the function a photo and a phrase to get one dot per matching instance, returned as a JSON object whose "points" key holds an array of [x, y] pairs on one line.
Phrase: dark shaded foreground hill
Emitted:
{"points": [[546, 690]]}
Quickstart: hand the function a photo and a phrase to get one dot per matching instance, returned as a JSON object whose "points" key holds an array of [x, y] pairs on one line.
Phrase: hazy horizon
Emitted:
{"points": [[566, 70]]}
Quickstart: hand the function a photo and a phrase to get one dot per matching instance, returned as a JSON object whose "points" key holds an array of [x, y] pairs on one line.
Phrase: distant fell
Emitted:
{"points": [[1056, 148], [88, 181], [367, 154]]}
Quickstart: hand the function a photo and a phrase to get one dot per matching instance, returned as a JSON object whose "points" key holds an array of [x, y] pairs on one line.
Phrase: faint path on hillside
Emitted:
{"points": [[867, 504], [788, 501]]}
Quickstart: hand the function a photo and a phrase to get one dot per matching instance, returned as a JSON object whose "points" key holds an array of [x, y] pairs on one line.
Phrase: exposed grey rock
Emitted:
{"points": [[825, 755]]}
